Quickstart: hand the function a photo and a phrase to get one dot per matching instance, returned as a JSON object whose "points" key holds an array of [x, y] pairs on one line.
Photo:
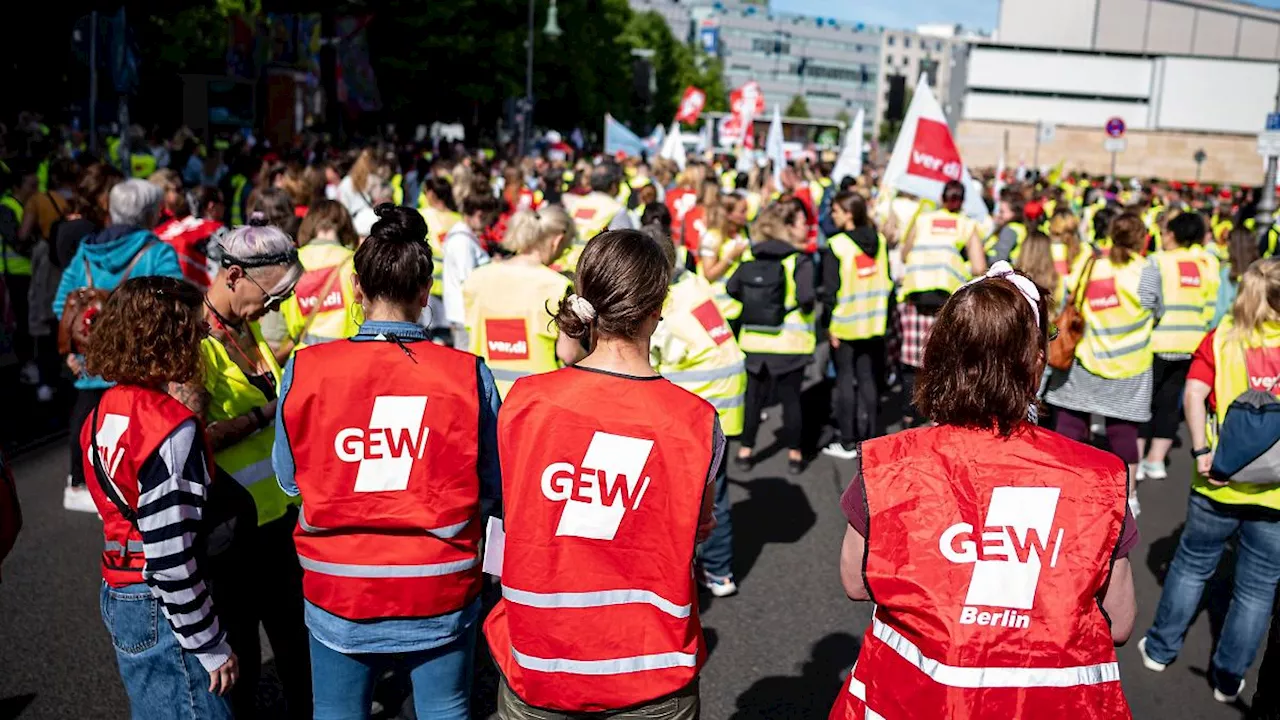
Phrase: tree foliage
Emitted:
{"points": [[797, 108]]}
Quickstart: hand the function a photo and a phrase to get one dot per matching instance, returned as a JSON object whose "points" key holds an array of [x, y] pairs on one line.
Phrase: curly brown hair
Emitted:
{"points": [[148, 333]]}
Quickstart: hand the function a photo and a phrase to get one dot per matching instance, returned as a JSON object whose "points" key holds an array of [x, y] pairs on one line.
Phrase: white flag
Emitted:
{"points": [[673, 147], [849, 164], [773, 146], [925, 157], [999, 177]]}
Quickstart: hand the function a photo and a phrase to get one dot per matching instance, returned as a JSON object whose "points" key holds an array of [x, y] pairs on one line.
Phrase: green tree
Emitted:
{"points": [[676, 65], [843, 117], [797, 108]]}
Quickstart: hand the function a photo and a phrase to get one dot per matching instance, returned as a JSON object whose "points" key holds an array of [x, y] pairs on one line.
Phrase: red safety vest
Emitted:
{"points": [[603, 482], [190, 237], [385, 447], [985, 559], [132, 422]]}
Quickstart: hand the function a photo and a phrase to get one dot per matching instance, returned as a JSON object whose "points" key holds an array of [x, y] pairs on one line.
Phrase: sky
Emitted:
{"points": [[974, 14]]}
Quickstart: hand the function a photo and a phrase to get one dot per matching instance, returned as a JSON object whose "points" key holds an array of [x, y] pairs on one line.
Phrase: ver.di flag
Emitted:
{"points": [[691, 105], [925, 157]]}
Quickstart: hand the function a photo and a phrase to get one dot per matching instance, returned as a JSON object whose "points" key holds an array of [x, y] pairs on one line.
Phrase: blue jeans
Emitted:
{"points": [[343, 684], [717, 551], [1257, 570], [161, 679]]}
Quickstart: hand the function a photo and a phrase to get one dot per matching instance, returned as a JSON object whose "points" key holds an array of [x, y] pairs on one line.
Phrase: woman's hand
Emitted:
{"points": [[75, 364], [736, 249], [222, 679], [1203, 465], [835, 342]]}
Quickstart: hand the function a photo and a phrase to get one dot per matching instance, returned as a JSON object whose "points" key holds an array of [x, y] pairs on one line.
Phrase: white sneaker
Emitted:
{"points": [[719, 587], [1152, 470], [44, 394], [838, 450], [1225, 698], [77, 499], [1147, 662], [1134, 507], [30, 374]]}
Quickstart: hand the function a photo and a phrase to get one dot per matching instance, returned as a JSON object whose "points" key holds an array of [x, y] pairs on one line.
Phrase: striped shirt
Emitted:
{"points": [[172, 486]]}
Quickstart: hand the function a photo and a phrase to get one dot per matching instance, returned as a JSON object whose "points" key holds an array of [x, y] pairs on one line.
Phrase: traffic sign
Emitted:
{"points": [[1115, 127], [1273, 121], [1269, 143], [1114, 144], [1047, 132]]}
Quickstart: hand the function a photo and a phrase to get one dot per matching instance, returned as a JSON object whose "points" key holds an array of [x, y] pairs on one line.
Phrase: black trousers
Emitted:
{"points": [[86, 401], [859, 371], [786, 388], [19, 286], [1168, 377], [261, 583]]}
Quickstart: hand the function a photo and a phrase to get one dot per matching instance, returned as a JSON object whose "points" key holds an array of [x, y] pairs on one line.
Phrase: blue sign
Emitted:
{"points": [[710, 39], [1115, 127], [1273, 121]]}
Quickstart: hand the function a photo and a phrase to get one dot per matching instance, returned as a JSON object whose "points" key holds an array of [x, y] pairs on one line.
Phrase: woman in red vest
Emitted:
{"points": [[995, 551], [607, 470], [390, 441], [149, 479]]}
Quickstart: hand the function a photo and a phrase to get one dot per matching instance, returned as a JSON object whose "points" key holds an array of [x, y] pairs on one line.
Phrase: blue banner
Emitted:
{"points": [[618, 138]]}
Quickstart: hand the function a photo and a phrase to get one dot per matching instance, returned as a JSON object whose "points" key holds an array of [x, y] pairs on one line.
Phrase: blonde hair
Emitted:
{"points": [[774, 221], [1064, 227], [361, 170], [1258, 302], [527, 230], [1036, 261]]}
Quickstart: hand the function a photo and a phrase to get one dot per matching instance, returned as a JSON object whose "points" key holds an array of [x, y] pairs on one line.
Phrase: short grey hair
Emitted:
{"points": [[135, 203], [251, 242]]}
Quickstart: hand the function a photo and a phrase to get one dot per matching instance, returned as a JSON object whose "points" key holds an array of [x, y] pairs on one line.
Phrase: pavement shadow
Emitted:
{"points": [[12, 707], [775, 511], [808, 695]]}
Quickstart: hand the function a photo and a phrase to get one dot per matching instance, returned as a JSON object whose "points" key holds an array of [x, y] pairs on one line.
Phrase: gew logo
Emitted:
{"points": [[597, 495], [107, 442], [387, 448]]}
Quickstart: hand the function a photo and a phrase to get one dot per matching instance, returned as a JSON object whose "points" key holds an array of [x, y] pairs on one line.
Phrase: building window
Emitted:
{"points": [[906, 42], [831, 73], [768, 46], [888, 60], [889, 40], [939, 46]]}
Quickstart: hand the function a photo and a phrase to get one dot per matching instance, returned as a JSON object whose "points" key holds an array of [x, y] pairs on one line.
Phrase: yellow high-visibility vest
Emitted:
{"points": [[729, 307], [697, 351], [329, 269], [439, 222], [11, 261], [239, 184], [796, 334], [1117, 329], [935, 262], [1189, 278], [1230, 381], [591, 215], [508, 313], [1020, 233], [862, 303], [230, 396]]}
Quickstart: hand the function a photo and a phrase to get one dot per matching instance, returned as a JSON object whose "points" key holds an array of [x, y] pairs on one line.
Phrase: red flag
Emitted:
{"points": [[933, 154], [691, 105]]}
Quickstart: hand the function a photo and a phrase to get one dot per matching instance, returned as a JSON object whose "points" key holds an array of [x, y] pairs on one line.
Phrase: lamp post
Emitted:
{"points": [[553, 31]]}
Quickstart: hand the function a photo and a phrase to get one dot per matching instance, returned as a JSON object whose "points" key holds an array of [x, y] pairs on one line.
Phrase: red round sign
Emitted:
{"points": [[1115, 127]]}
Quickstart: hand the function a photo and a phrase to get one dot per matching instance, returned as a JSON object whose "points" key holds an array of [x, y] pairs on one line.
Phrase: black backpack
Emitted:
{"points": [[764, 292]]}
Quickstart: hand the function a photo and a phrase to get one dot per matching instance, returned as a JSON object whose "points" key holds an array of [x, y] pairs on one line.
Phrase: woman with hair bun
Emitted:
{"points": [[586, 628], [390, 441], [508, 303]]}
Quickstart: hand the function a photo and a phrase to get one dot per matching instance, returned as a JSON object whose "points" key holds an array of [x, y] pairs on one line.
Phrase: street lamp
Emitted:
{"points": [[553, 31]]}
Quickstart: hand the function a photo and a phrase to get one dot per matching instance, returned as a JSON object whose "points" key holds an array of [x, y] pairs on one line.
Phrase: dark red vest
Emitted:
{"points": [[385, 450]]}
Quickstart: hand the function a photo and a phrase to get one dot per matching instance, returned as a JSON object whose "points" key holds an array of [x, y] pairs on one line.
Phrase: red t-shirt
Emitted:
{"points": [[1202, 366]]}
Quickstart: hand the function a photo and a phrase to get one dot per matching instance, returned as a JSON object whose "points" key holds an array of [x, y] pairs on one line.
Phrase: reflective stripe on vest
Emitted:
{"points": [[599, 598], [615, 666], [935, 261], [862, 311], [709, 362], [386, 571], [796, 334], [689, 376], [133, 546], [1117, 332], [1189, 281]]}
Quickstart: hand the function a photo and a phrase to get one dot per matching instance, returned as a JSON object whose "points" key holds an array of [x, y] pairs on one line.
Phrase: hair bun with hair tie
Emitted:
{"points": [[583, 308], [257, 218]]}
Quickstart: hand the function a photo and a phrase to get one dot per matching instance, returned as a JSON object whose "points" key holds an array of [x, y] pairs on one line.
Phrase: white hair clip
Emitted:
{"points": [[1024, 284], [582, 308]]}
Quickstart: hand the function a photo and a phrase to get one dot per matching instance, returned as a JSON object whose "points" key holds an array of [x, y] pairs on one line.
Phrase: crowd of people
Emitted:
{"points": [[313, 387]]}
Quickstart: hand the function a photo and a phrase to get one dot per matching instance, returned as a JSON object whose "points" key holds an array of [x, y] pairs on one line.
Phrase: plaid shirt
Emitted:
{"points": [[914, 329]]}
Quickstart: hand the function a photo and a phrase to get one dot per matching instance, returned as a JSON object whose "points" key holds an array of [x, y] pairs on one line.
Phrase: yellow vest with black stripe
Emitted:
{"points": [[1189, 279], [935, 262], [328, 325], [862, 303], [591, 215], [796, 334], [142, 165], [439, 222], [11, 261], [508, 310], [709, 362], [1230, 381], [1020, 233], [1117, 329], [729, 307], [239, 183], [230, 396]]}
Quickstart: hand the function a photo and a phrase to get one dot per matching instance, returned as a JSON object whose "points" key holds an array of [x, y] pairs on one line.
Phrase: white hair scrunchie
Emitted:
{"points": [[1024, 284], [582, 308]]}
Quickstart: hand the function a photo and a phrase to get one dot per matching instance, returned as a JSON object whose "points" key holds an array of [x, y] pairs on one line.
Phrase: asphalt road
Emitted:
{"points": [[778, 650]]}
